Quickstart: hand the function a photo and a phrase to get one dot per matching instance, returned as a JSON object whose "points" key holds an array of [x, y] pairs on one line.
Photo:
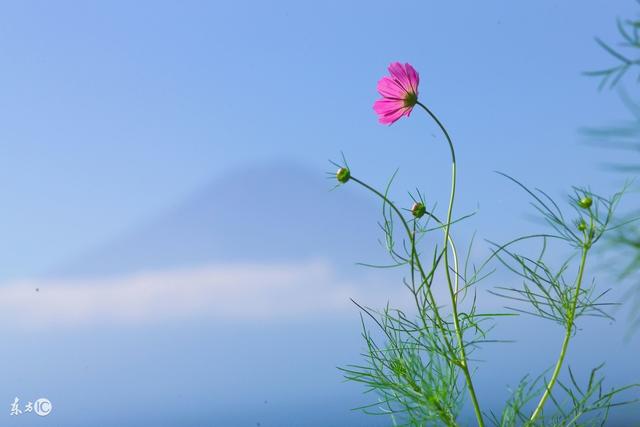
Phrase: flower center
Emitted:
{"points": [[410, 99]]}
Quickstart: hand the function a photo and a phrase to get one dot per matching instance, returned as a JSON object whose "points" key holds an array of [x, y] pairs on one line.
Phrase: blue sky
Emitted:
{"points": [[115, 110], [116, 115]]}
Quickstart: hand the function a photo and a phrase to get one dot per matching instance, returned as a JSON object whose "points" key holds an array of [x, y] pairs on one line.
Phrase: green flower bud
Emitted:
{"points": [[585, 202], [582, 225], [418, 210], [343, 175]]}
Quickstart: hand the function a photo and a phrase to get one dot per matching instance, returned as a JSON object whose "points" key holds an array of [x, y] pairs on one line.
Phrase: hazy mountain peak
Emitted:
{"points": [[267, 212]]}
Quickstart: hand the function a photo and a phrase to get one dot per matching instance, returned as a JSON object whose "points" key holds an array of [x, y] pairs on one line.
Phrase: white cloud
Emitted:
{"points": [[231, 291]]}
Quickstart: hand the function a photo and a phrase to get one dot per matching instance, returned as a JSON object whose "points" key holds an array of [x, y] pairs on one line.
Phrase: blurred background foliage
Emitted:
{"points": [[622, 254]]}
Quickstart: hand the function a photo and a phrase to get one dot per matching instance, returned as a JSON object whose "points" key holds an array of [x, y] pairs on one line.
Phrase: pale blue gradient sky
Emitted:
{"points": [[112, 111], [114, 115]]}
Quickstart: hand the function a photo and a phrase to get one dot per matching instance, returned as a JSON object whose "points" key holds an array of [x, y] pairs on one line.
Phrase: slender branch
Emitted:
{"points": [[567, 337], [423, 275], [463, 363]]}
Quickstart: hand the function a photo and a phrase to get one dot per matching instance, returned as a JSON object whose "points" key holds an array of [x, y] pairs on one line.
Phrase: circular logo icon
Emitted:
{"points": [[42, 407]]}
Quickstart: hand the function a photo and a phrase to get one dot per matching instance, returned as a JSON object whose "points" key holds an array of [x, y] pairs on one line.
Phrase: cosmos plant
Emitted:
{"points": [[417, 361]]}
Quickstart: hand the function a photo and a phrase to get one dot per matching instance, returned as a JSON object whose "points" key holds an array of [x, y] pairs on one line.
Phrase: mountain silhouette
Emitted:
{"points": [[274, 212]]}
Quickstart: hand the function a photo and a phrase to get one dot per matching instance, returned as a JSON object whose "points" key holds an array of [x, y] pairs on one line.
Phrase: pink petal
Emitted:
{"points": [[389, 88], [414, 77], [388, 119], [387, 106], [390, 110], [408, 111], [399, 73]]}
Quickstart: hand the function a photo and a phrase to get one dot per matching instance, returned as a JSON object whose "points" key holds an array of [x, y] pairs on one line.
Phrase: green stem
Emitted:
{"points": [[567, 337], [453, 292]]}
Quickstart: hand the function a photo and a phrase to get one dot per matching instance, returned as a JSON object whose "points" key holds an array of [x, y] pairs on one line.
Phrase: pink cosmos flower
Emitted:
{"points": [[399, 93]]}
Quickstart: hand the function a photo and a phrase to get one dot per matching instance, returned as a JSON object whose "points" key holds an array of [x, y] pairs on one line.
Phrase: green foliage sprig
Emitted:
{"points": [[624, 244], [625, 53]]}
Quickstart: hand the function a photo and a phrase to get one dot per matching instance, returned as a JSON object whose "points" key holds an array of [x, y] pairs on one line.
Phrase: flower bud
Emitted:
{"points": [[343, 175], [585, 202], [418, 210], [582, 225]]}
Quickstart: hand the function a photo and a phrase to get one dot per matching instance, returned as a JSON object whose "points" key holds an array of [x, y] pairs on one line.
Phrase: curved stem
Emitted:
{"points": [[567, 337], [453, 292]]}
